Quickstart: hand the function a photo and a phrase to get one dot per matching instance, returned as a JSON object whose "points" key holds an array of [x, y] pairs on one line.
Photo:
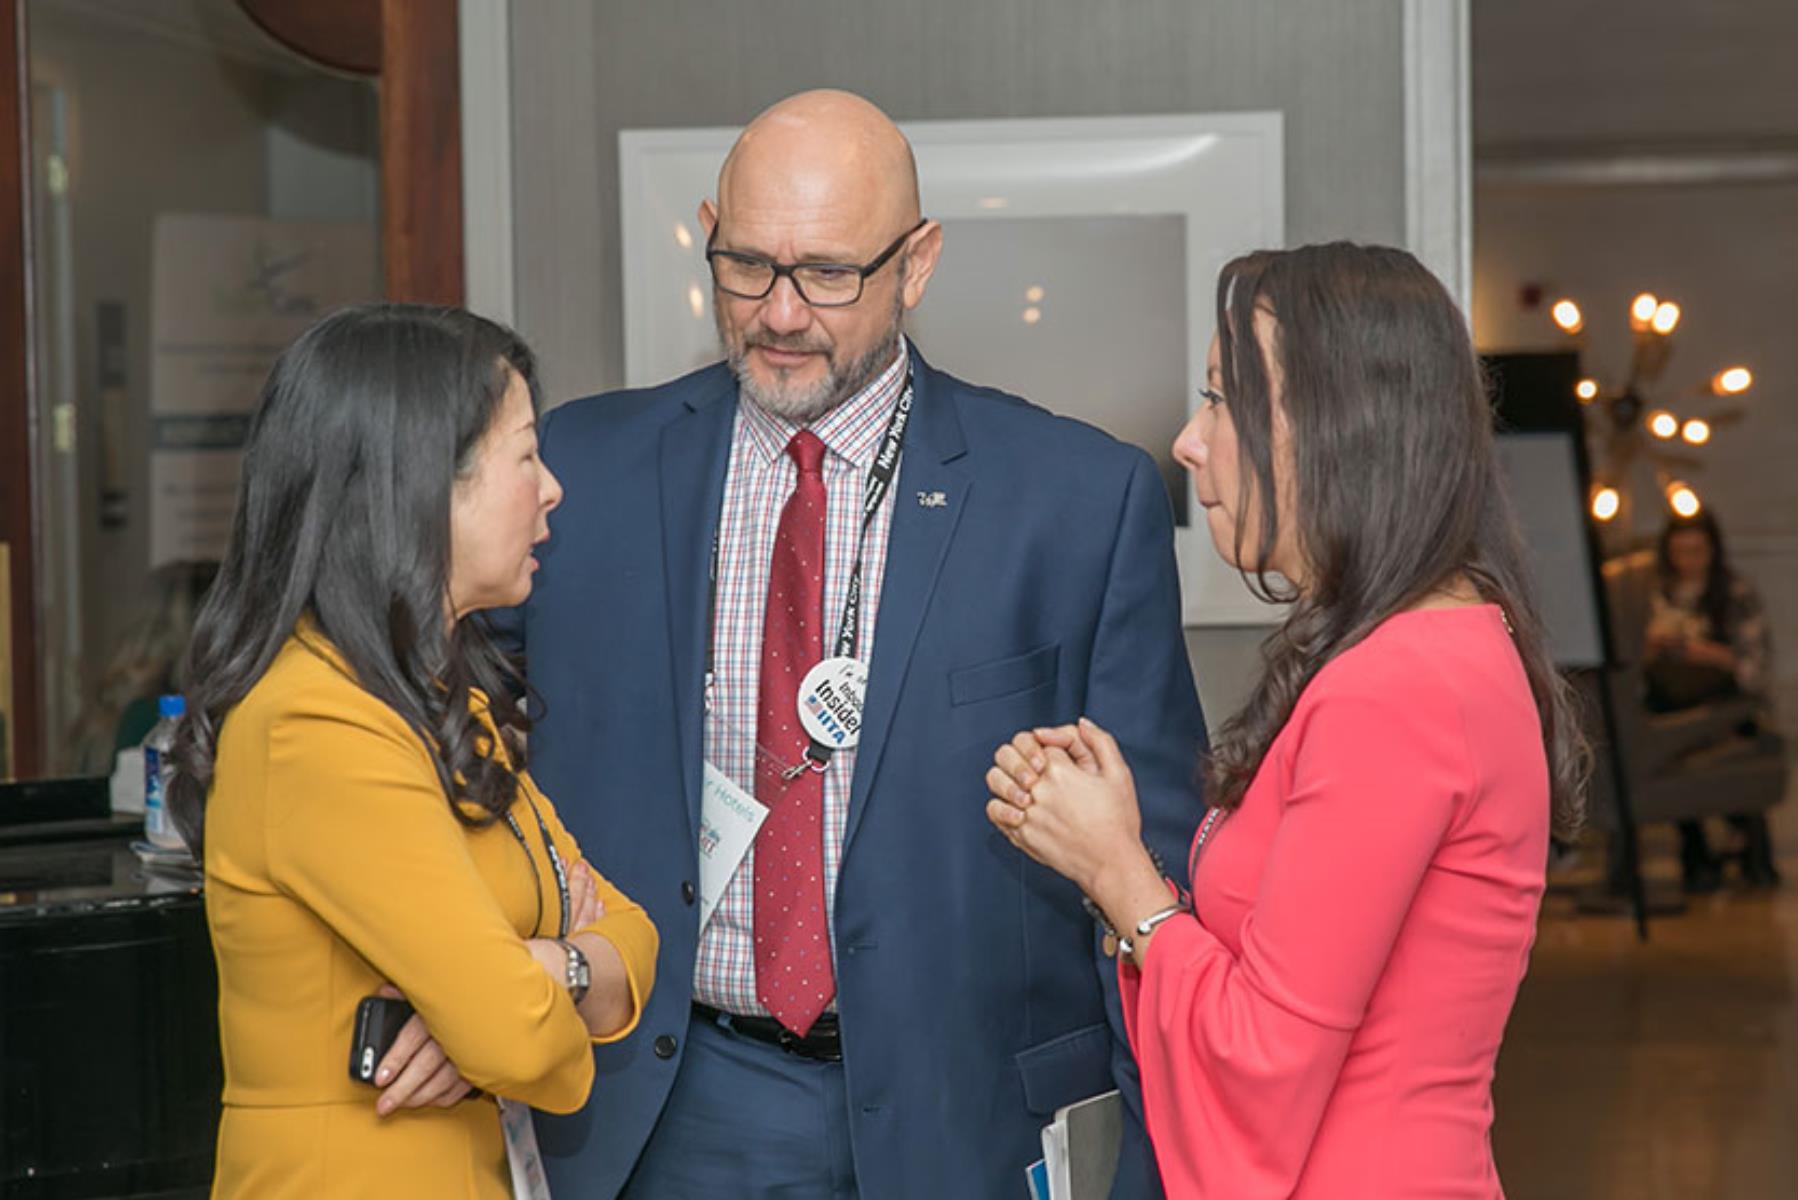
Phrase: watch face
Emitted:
{"points": [[580, 975]]}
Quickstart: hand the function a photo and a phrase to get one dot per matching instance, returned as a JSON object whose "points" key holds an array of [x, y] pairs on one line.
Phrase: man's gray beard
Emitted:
{"points": [[802, 408]]}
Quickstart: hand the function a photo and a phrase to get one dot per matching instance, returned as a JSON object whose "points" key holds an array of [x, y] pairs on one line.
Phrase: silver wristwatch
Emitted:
{"points": [[580, 976]]}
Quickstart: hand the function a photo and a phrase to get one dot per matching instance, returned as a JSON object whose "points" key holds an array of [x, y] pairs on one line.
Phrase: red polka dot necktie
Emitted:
{"points": [[792, 940]]}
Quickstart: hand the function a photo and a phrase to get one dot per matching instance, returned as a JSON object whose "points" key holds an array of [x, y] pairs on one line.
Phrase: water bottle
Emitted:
{"points": [[159, 827]]}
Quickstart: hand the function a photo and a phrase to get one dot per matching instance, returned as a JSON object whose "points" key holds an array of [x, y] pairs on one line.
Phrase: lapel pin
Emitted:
{"points": [[932, 500]]}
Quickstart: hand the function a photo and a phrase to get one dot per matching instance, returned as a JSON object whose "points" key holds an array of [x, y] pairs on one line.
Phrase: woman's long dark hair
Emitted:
{"points": [[343, 516], [1714, 602], [1395, 485]]}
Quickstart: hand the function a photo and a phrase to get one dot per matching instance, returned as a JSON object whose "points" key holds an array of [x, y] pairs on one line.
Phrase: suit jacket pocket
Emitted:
{"points": [[1004, 676], [1066, 1068]]}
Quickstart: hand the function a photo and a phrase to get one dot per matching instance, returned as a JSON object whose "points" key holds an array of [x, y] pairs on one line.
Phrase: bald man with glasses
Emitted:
{"points": [[791, 604]]}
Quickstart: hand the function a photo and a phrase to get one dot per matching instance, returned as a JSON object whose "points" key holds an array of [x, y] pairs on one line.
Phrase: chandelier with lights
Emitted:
{"points": [[1627, 430]]}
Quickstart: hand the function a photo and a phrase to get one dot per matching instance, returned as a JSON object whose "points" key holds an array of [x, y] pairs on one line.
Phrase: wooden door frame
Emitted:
{"points": [[24, 735], [412, 46]]}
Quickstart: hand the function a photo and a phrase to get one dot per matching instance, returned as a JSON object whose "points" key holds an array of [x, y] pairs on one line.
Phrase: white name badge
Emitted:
{"points": [[728, 820], [528, 1180], [830, 702]]}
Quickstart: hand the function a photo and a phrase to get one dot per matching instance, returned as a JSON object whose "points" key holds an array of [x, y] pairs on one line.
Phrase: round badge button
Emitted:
{"points": [[830, 702]]}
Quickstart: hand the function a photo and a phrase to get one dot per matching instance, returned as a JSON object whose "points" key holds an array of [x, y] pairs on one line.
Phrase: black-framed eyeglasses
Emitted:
{"points": [[821, 285]]}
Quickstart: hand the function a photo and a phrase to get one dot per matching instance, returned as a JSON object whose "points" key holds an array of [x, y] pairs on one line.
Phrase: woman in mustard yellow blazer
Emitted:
{"points": [[353, 766]]}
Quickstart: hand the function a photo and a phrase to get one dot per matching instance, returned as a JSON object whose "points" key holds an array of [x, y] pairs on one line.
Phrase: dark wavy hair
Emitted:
{"points": [[343, 516], [1715, 602], [1396, 486]]}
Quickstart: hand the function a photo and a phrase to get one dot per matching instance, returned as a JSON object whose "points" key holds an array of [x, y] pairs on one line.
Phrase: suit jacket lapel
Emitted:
{"points": [[934, 463], [695, 453]]}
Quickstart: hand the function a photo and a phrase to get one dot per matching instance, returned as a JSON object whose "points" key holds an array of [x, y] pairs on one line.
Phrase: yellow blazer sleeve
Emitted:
{"points": [[624, 924], [360, 832]]}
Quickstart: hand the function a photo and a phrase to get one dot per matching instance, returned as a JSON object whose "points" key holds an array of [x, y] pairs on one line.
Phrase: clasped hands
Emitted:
{"points": [[1697, 650], [1064, 796], [415, 1072]]}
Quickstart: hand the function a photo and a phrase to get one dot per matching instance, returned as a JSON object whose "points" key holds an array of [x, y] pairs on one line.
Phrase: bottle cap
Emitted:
{"points": [[171, 706]]}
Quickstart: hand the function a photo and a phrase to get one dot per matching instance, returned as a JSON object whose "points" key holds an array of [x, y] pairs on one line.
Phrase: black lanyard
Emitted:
{"points": [[880, 481], [555, 864]]}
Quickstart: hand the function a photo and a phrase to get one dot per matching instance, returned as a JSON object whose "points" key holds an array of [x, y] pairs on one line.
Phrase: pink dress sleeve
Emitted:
{"points": [[1239, 1055]]}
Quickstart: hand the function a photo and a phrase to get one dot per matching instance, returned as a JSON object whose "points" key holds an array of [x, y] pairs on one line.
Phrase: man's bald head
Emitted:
{"points": [[820, 150], [825, 180]]}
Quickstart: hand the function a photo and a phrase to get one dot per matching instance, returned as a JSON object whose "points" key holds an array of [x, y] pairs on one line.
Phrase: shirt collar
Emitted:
{"points": [[851, 431]]}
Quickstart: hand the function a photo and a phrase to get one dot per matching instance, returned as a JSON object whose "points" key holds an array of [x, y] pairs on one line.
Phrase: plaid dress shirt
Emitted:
{"points": [[757, 483]]}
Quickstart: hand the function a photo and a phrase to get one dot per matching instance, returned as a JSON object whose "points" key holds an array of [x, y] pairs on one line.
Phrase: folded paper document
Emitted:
{"points": [[1080, 1148]]}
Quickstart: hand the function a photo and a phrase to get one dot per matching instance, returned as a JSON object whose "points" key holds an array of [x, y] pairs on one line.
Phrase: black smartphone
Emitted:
{"points": [[378, 1022]]}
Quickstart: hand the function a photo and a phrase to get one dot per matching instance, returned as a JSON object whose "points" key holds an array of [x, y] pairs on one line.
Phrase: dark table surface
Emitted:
{"points": [[84, 866]]}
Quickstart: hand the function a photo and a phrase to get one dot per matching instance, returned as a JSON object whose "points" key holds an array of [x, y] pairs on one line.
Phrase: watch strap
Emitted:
{"points": [[580, 975]]}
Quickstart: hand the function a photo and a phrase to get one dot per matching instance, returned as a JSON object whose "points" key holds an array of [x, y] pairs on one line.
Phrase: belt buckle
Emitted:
{"points": [[795, 1045]]}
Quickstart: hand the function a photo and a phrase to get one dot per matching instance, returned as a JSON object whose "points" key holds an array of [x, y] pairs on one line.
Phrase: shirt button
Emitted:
{"points": [[665, 1045], [686, 891]]}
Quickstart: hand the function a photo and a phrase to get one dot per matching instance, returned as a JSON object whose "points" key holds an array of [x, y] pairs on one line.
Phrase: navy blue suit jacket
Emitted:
{"points": [[973, 998]]}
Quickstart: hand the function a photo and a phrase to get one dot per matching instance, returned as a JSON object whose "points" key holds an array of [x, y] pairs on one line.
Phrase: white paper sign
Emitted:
{"points": [[228, 293], [728, 820]]}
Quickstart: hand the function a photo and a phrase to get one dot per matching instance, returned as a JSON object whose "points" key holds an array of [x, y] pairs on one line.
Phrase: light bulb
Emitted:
{"points": [[1567, 315], [1683, 500], [1732, 381], [1666, 317], [1586, 390], [1606, 503], [1641, 311], [1696, 431], [1663, 424]]}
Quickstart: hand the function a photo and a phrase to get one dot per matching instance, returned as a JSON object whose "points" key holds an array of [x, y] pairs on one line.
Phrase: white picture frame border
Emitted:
{"points": [[1223, 172]]}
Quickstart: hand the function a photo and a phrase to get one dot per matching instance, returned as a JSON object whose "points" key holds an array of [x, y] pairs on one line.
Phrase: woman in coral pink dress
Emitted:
{"points": [[1321, 1017]]}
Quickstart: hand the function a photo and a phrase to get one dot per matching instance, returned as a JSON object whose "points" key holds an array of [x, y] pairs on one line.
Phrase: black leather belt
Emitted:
{"points": [[822, 1044]]}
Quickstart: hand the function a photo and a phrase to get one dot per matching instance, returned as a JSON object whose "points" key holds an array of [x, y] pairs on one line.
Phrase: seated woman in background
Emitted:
{"points": [[1323, 1019], [355, 761], [1707, 640]]}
